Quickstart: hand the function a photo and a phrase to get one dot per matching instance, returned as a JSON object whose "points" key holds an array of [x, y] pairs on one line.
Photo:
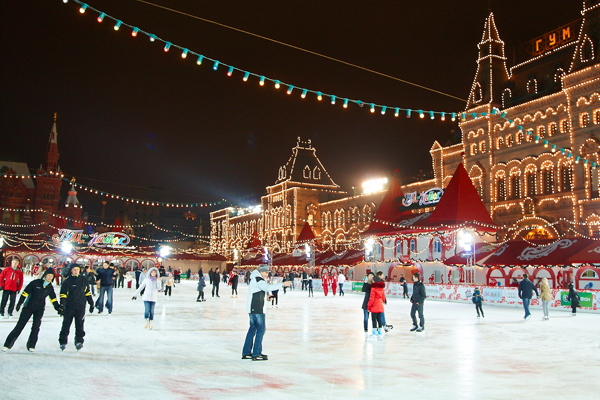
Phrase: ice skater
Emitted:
{"points": [[216, 279], [325, 283], [478, 301], [366, 289], [417, 299], [404, 287], [546, 298], [200, 288], [105, 278], [233, 281], [573, 297], [274, 298], [170, 283], [152, 286], [74, 294], [341, 280], [375, 306], [309, 284], [11, 282], [526, 289], [34, 300], [255, 307], [334, 283], [386, 327]]}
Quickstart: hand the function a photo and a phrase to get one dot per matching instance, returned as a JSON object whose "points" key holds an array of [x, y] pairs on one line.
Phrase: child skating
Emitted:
{"points": [[151, 285], [200, 288], [375, 307], [478, 301]]}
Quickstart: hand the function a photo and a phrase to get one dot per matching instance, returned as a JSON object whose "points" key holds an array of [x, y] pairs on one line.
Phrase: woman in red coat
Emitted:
{"points": [[375, 306], [325, 283], [333, 283]]}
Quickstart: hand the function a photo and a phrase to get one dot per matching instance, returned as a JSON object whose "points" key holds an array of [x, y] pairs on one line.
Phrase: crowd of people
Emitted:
{"points": [[79, 285]]}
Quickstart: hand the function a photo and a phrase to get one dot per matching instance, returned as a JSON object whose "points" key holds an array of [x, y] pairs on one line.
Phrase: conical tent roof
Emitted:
{"points": [[118, 225], [460, 204], [388, 211], [255, 242]]}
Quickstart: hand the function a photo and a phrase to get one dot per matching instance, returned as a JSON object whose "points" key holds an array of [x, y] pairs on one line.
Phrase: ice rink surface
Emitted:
{"points": [[316, 348]]}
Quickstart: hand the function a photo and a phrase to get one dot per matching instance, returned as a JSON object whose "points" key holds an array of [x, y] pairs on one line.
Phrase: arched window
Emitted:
{"points": [[482, 146], [519, 137], [541, 131], [547, 179], [584, 120], [515, 186], [509, 140], [532, 87], [500, 188], [306, 172], [566, 176], [473, 149], [552, 129], [499, 143], [531, 187], [564, 125], [317, 173]]}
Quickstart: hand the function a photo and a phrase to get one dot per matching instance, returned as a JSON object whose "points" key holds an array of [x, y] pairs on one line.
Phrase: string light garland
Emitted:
{"points": [[135, 31]]}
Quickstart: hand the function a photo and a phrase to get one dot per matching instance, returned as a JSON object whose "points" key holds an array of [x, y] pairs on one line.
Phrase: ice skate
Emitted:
{"points": [[148, 322], [31, 349], [414, 328], [78, 346], [63, 347], [388, 328], [150, 325], [5, 349], [9, 315], [246, 356], [262, 357], [421, 329]]}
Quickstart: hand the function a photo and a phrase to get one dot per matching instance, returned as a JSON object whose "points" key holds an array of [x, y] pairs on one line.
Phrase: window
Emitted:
{"points": [[509, 140], [541, 131], [6, 217], [532, 86], [482, 146], [547, 180], [501, 189], [564, 125], [306, 172], [597, 116], [531, 184], [584, 120], [529, 135], [519, 137], [499, 143], [588, 274], [473, 149], [480, 192], [565, 178], [516, 186], [552, 129], [413, 244]]}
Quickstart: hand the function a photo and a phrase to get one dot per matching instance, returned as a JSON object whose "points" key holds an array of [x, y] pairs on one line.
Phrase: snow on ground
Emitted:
{"points": [[316, 348]]}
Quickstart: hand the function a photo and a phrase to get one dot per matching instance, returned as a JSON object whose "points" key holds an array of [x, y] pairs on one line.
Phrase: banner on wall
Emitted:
{"points": [[490, 294], [357, 286], [585, 299]]}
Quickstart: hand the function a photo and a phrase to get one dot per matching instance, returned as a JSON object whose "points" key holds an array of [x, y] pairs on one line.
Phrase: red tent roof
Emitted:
{"points": [[460, 204], [288, 259], [306, 234], [255, 242], [118, 226], [482, 250], [537, 252], [388, 211], [196, 257], [590, 254]]}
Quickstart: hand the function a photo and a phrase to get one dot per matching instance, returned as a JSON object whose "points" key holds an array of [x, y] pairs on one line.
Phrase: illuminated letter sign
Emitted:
{"points": [[415, 200], [67, 235], [109, 239], [554, 39]]}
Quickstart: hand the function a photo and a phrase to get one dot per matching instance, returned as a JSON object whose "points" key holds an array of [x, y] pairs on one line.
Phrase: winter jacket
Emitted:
{"points": [[419, 294], [366, 288], [152, 287], [170, 281], [256, 293], [477, 297], [216, 278], [334, 281], [74, 292], [138, 274], [91, 277], [161, 272], [234, 281], [304, 276], [11, 279], [545, 292], [526, 289], [35, 293], [201, 284], [573, 296], [310, 283], [376, 298], [105, 276]]}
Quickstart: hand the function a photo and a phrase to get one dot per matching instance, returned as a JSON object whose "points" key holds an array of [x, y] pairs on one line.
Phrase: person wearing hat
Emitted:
{"points": [[255, 307], [74, 293], [34, 298]]}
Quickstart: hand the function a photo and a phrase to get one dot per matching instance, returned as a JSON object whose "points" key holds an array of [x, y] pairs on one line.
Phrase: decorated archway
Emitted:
{"points": [[534, 228], [547, 273], [587, 277], [496, 274]]}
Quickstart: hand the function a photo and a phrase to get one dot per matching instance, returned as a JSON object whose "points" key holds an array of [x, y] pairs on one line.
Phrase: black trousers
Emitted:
{"points": [[405, 293], [310, 291], [121, 282], [70, 315], [6, 295], [200, 295], [168, 290], [413, 311], [215, 287], [234, 290], [376, 318], [275, 300], [478, 308], [26, 313], [304, 284], [137, 283]]}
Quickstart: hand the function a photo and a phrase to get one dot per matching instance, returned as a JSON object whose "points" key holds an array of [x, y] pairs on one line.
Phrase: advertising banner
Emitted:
{"points": [[585, 299], [357, 286], [490, 294]]}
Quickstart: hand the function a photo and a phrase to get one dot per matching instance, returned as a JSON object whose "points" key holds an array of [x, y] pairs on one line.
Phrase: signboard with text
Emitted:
{"points": [[415, 200]]}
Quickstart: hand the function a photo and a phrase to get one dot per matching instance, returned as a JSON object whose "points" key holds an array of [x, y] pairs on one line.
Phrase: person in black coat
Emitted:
{"points": [[573, 297], [526, 289], [74, 294], [216, 279], [304, 280], [417, 299], [366, 288], [34, 297], [234, 284], [404, 287], [138, 272]]}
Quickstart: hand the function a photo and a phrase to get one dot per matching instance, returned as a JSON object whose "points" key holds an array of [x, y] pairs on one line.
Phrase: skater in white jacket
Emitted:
{"points": [[152, 286]]}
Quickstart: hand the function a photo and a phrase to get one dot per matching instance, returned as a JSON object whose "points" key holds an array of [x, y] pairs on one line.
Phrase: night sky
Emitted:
{"points": [[131, 115]]}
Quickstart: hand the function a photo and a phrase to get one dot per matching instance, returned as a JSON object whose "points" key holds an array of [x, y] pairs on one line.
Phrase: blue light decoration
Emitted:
{"points": [[563, 151], [290, 88], [216, 65], [135, 31], [453, 117], [199, 60], [262, 81], [463, 116], [230, 71], [397, 112], [83, 8], [167, 46], [118, 25], [319, 96], [277, 84], [101, 17], [345, 103], [246, 76], [474, 115], [443, 116], [383, 108], [152, 38], [431, 115], [577, 158], [503, 115], [332, 99], [184, 53], [372, 107], [553, 148], [421, 115], [303, 95]]}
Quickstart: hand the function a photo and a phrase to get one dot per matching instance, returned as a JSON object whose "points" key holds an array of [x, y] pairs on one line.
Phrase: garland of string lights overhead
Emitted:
{"points": [[262, 79]]}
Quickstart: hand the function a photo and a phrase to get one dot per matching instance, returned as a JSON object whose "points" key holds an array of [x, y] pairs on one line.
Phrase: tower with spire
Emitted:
{"points": [[72, 208], [48, 182]]}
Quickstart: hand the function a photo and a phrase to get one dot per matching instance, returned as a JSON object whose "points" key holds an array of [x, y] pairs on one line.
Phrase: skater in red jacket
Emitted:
{"points": [[375, 306], [325, 283], [333, 283], [11, 283]]}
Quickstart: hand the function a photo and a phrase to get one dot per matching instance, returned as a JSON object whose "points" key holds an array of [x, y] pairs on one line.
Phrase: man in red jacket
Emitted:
{"points": [[333, 283], [325, 283], [11, 282]]}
